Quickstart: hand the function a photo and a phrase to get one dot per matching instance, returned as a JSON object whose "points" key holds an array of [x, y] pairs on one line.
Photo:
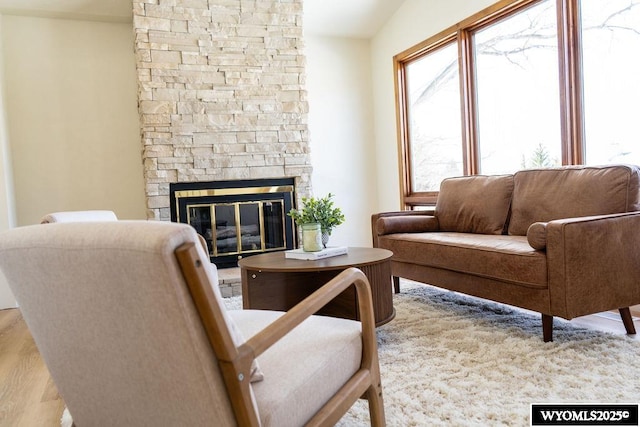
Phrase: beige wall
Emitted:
{"points": [[71, 106], [415, 21], [7, 217], [341, 131]]}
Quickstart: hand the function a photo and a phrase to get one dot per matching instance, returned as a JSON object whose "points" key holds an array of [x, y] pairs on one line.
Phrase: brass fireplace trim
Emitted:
{"points": [[233, 191]]}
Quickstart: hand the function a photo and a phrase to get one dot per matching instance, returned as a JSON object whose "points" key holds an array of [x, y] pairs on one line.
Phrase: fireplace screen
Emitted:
{"points": [[240, 219]]}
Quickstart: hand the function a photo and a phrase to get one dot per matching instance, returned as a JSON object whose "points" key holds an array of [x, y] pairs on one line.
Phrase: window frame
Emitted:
{"points": [[570, 84]]}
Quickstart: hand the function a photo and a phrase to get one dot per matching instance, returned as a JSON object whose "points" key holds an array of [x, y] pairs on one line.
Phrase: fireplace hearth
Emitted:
{"points": [[237, 218]]}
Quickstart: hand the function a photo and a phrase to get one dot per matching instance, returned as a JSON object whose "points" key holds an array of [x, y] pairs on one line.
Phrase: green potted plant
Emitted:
{"points": [[321, 211]]}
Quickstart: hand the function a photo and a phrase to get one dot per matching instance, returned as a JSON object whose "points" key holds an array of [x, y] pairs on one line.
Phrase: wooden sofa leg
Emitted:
{"points": [[547, 327], [396, 284], [627, 320]]}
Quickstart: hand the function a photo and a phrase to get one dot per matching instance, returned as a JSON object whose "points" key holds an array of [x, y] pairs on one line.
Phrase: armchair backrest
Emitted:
{"points": [[113, 318]]}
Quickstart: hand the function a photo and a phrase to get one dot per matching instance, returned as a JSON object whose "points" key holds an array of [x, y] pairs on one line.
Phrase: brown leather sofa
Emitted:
{"points": [[561, 241]]}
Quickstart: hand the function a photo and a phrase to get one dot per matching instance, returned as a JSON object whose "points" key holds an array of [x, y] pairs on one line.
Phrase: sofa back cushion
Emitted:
{"points": [[542, 195], [474, 204]]}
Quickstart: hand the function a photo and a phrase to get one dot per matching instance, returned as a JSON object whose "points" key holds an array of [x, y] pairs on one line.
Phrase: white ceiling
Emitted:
{"points": [[347, 18], [116, 10], [339, 18]]}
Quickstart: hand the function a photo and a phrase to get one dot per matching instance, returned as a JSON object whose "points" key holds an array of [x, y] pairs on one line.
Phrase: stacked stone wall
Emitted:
{"points": [[221, 93]]}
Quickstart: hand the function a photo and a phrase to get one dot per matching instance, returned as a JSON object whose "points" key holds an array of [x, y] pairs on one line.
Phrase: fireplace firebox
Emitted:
{"points": [[237, 218]]}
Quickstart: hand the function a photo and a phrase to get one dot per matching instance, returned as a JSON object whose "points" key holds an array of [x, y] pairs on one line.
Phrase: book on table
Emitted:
{"points": [[331, 251]]}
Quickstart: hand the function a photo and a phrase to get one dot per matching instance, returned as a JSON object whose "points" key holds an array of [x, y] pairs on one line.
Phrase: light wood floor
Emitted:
{"points": [[29, 398]]}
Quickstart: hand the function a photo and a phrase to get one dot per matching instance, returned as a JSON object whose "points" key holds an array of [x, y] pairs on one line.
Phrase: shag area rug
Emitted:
{"points": [[451, 360]]}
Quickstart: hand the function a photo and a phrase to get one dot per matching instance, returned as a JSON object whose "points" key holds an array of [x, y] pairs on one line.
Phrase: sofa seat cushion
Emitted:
{"points": [[542, 195], [308, 365], [500, 257], [474, 204]]}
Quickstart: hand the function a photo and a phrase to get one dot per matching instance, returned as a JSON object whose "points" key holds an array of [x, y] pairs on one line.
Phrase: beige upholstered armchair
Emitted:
{"points": [[133, 332]]}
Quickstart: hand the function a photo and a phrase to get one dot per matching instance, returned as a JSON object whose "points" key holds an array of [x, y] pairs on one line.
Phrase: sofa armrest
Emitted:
{"points": [[593, 263], [406, 224], [396, 214]]}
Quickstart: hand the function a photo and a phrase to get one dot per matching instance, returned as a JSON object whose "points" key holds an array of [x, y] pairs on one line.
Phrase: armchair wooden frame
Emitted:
{"points": [[235, 362]]}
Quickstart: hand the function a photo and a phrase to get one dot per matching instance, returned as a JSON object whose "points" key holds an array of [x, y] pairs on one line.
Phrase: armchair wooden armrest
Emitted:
{"points": [[360, 384], [235, 362]]}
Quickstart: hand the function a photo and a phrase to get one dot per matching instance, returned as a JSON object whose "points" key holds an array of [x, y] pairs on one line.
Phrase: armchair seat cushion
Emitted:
{"points": [[500, 257], [307, 366]]}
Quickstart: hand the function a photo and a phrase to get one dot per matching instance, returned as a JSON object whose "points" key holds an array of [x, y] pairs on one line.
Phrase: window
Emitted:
{"points": [[433, 92], [525, 83], [516, 69], [610, 43]]}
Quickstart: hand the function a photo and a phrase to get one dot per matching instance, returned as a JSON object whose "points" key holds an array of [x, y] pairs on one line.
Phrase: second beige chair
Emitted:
{"points": [[79, 216], [93, 216]]}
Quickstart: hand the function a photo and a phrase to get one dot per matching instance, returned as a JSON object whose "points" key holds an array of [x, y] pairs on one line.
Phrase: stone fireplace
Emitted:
{"points": [[221, 94]]}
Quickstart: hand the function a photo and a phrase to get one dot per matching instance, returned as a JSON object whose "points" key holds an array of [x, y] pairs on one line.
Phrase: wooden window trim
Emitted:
{"points": [[407, 195], [571, 98], [570, 83], [468, 103]]}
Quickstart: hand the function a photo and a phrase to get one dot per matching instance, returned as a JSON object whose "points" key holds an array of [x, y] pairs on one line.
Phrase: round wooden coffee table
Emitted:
{"points": [[272, 282]]}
